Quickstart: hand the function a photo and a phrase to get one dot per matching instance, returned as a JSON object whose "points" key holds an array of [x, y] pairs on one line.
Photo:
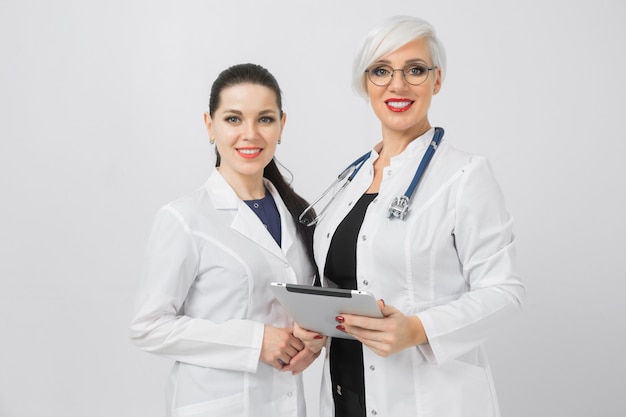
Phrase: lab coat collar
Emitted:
{"points": [[245, 221], [416, 147], [221, 193]]}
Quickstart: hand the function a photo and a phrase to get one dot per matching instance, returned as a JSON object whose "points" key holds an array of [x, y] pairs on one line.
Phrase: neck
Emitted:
{"points": [[395, 142], [247, 187]]}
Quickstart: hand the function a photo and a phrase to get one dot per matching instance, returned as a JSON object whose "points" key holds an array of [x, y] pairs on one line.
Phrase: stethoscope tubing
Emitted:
{"points": [[434, 144], [351, 171]]}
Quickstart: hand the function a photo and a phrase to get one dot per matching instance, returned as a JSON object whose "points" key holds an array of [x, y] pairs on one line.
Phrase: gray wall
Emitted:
{"points": [[101, 123]]}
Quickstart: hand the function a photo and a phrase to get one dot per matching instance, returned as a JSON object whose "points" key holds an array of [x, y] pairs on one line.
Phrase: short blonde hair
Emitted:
{"points": [[386, 37]]}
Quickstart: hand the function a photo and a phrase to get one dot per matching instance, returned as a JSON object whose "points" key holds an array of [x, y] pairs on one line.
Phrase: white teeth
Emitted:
{"points": [[399, 104], [249, 151]]}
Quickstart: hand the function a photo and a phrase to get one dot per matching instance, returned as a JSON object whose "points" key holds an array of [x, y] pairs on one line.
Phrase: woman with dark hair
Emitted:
{"points": [[205, 300]]}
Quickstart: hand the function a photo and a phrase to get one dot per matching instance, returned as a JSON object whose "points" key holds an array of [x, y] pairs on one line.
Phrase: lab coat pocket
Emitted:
{"points": [[228, 406], [458, 389]]}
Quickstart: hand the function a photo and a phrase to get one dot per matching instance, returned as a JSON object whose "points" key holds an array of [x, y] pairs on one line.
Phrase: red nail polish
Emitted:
{"points": [[340, 327], [318, 336], [339, 319]]}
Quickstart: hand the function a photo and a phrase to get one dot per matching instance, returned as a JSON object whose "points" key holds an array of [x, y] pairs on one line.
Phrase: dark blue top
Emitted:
{"points": [[267, 211]]}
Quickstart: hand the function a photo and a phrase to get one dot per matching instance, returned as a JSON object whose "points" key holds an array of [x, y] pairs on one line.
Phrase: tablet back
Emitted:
{"points": [[315, 308]]}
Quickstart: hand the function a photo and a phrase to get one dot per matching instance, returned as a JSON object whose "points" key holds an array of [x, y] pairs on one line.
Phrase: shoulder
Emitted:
{"points": [[453, 159], [188, 207]]}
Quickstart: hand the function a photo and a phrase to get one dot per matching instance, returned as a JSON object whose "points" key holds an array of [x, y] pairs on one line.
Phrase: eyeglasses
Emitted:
{"points": [[413, 74]]}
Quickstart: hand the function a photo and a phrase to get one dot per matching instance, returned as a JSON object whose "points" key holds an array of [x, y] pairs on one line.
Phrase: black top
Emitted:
{"points": [[346, 356]]}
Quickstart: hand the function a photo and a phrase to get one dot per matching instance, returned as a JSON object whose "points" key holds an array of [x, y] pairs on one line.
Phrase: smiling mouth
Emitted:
{"points": [[399, 105], [249, 152]]}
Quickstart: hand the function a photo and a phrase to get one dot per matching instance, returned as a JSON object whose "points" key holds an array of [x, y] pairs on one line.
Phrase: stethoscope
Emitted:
{"points": [[399, 207]]}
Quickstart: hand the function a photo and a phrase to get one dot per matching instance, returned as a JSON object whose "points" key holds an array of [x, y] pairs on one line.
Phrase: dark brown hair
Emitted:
{"points": [[256, 74]]}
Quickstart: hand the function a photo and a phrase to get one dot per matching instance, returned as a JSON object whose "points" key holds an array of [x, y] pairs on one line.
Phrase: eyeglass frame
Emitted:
{"points": [[393, 72]]}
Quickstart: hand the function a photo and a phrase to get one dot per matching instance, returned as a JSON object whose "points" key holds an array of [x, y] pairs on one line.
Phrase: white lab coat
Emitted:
{"points": [[451, 262], [205, 298]]}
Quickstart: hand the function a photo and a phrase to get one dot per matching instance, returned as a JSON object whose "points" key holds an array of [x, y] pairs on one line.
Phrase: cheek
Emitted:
{"points": [[224, 133], [271, 133], [379, 107], [371, 91]]}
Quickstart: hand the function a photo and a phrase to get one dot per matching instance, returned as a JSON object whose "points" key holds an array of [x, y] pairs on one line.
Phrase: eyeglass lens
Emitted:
{"points": [[413, 74]]}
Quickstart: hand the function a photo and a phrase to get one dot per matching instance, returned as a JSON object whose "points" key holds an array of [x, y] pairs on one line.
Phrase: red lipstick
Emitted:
{"points": [[399, 105]]}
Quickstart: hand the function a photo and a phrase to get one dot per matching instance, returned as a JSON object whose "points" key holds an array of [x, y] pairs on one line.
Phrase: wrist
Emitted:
{"points": [[418, 334]]}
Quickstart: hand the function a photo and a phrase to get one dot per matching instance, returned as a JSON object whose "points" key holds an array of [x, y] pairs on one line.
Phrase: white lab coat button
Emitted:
{"points": [[327, 235], [372, 368], [286, 265], [374, 412], [366, 282], [363, 237], [289, 394]]}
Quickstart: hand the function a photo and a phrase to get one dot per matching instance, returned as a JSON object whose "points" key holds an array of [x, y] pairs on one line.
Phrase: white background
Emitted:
{"points": [[101, 123]]}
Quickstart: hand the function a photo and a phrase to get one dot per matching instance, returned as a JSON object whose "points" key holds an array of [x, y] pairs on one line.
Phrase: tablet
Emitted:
{"points": [[315, 308]]}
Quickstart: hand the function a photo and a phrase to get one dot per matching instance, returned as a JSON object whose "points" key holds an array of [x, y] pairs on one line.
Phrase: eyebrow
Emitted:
{"points": [[239, 112], [408, 61]]}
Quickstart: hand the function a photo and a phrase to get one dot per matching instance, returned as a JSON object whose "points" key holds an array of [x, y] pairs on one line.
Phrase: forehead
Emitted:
{"points": [[248, 96], [417, 49]]}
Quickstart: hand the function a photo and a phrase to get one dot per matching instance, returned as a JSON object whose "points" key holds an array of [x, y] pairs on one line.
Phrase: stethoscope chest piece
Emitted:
{"points": [[399, 207]]}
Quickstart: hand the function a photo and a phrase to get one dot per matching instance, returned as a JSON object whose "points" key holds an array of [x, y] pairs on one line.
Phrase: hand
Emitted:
{"points": [[301, 361], [279, 346], [385, 336], [312, 340]]}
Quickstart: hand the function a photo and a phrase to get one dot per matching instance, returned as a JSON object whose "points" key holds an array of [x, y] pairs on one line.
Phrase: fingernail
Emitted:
{"points": [[339, 319], [383, 302], [340, 327], [318, 336]]}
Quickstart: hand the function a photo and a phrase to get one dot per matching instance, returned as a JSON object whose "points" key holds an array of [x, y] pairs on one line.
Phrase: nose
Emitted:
{"points": [[251, 130], [397, 80]]}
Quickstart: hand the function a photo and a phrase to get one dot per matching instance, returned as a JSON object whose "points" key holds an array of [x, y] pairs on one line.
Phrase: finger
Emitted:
{"points": [[289, 352], [278, 364], [387, 309], [296, 343], [351, 322], [306, 335], [366, 336], [284, 359]]}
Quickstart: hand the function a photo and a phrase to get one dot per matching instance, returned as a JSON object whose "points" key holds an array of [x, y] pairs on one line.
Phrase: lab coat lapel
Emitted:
{"points": [[248, 224], [245, 221]]}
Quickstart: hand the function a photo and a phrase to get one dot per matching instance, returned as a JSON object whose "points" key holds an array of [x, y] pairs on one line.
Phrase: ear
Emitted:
{"points": [[283, 120], [437, 85], [208, 122]]}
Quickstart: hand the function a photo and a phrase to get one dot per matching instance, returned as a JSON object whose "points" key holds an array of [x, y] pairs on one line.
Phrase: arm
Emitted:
{"points": [[160, 326], [484, 243]]}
